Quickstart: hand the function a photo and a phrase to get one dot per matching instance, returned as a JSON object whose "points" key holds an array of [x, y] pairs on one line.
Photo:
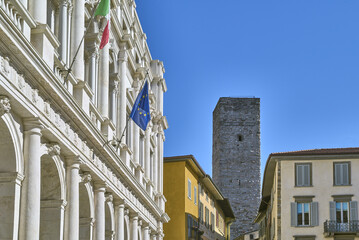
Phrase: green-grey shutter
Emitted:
{"points": [[306, 175], [293, 215], [345, 169], [354, 210], [338, 174], [314, 214], [332, 211], [300, 175]]}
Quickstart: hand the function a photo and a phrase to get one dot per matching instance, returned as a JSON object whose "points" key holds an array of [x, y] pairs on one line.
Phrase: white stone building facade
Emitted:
{"points": [[60, 178]]}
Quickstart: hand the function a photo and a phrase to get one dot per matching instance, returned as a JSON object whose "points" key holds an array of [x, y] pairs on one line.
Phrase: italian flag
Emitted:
{"points": [[103, 9]]}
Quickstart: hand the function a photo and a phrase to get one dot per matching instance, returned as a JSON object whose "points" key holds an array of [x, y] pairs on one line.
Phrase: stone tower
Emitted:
{"points": [[236, 158]]}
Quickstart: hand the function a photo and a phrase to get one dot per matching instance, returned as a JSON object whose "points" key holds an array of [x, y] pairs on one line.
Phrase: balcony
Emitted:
{"points": [[332, 227]]}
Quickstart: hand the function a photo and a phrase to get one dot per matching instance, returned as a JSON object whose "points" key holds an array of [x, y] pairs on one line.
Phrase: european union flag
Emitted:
{"points": [[141, 109]]}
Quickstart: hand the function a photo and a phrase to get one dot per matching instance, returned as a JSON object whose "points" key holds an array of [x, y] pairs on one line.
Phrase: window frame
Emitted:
{"points": [[310, 182], [195, 194], [303, 214], [349, 173], [189, 188]]}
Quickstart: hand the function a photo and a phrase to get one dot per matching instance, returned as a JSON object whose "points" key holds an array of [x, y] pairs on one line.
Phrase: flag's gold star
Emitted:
{"points": [[144, 114]]}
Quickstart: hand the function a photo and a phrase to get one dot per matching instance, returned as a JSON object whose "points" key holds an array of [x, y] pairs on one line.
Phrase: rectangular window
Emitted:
{"points": [[303, 214], [212, 221], [303, 174], [142, 150], [342, 212], [200, 209], [206, 219], [189, 189], [342, 174], [195, 194], [217, 219]]}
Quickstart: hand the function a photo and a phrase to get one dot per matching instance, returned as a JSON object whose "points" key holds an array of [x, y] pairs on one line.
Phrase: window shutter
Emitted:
{"points": [[306, 174], [293, 215], [332, 211], [299, 175], [345, 174], [314, 214], [354, 210]]}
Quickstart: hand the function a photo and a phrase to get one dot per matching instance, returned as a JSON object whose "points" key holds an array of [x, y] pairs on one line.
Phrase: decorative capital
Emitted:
{"points": [[122, 55], [53, 149], [4, 105], [86, 177], [109, 197]]}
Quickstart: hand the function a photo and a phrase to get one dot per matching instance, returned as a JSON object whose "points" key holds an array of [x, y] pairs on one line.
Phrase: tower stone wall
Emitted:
{"points": [[236, 158]]}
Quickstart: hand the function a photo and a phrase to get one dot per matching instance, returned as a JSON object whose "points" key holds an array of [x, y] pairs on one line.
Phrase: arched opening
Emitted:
{"points": [[86, 211], [10, 181], [109, 224], [52, 203], [126, 228]]}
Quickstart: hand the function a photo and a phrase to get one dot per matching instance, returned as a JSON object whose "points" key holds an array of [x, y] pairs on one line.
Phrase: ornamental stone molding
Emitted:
{"points": [[108, 197], [4, 105], [52, 149], [86, 177]]}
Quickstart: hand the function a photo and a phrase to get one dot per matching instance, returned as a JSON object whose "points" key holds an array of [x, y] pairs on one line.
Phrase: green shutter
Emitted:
{"points": [[293, 214], [345, 173], [332, 211], [314, 214], [353, 210], [306, 175]]}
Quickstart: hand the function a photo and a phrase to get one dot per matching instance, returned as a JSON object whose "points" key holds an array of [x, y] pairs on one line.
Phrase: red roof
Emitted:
{"points": [[323, 151]]}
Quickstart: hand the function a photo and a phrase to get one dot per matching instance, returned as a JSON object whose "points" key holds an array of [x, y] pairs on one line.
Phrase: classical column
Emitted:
{"points": [[69, 31], [38, 10], [77, 32], [113, 100], [154, 236], [63, 30], [136, 129], [92, 79], [148, 152], [99, 231], [120, 219], [134, 226], [31, 195], [155, 157], [122, 92], [146, 233], [160, 96], [160, 158], [72, 209], [104, 82]]}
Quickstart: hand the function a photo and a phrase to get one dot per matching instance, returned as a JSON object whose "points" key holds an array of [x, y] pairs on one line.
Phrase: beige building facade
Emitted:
{"points": [[310, 194], [64, 174]]}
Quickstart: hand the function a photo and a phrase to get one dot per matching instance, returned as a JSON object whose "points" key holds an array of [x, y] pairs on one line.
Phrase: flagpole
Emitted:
{"points": [[78, 48], [118, 141]]}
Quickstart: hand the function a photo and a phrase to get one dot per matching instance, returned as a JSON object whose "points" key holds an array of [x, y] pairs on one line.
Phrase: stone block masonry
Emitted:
{"points": [[236, 158]]}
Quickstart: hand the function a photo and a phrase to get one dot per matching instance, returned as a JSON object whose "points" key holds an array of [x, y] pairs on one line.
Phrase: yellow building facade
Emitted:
{"points": [[195, 205]]}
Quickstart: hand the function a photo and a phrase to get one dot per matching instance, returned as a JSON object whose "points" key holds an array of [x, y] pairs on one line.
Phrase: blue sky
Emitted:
{"points": [[301, 57]]}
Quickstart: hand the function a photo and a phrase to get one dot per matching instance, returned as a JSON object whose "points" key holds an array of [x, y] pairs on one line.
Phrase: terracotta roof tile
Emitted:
{"points": [[323, 151]]}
